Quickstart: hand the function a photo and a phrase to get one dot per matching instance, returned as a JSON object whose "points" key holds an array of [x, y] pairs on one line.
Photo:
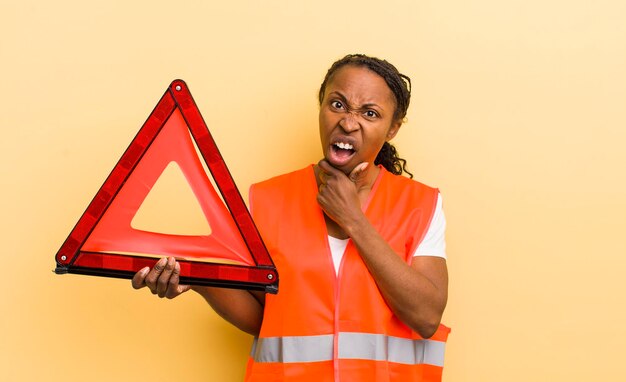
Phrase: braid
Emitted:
{"points": [[400, 86], [389, 159]]}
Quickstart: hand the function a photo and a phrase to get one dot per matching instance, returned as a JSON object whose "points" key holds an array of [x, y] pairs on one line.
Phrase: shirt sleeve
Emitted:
{"points": [[434, 243]]}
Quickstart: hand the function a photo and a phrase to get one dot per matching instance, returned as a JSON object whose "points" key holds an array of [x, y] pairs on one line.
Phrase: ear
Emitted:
{"points": [[393, 129]]}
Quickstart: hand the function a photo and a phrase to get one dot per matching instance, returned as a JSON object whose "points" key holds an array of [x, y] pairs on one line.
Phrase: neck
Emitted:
{"points": [[367, 181]]}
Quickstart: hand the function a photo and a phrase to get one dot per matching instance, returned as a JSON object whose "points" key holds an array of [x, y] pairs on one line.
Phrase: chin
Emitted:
{"points": [[345, 168]]}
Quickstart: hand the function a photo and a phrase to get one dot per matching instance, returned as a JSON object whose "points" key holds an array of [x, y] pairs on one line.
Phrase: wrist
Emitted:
{"points": [[356, 226]]}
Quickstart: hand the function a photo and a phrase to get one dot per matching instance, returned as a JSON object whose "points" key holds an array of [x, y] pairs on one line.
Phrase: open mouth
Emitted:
{"points": [[341, 152]]}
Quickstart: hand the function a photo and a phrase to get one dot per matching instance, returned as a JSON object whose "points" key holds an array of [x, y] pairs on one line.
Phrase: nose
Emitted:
{"points": [[349, 123]]}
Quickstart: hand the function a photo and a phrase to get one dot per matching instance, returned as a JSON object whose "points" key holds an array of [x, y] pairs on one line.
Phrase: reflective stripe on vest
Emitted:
{"points": [[365, 346]]}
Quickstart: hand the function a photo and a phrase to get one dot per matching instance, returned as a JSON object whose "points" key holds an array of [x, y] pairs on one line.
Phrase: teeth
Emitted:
{"points": [[345, 146]]}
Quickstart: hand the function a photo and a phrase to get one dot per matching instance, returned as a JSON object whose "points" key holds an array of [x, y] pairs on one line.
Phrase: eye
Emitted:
{"points": [[371, 114], [336, 104]]}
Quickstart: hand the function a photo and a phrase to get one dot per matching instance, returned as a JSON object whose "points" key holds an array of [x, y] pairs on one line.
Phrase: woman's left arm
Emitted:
{"points": [[416, 293]]}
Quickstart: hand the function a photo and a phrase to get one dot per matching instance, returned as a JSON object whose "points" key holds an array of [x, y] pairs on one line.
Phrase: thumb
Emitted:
{"points": [[358, 171]]}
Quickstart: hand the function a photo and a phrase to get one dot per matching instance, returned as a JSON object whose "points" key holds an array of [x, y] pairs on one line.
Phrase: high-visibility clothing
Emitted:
{"points": [[323, 327]]}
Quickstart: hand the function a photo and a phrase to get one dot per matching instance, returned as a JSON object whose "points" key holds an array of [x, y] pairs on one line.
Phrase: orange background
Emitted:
{"points": [[518, 115]]}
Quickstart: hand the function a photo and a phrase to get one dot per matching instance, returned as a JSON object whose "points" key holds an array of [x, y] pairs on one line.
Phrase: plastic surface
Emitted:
{"points": [[104, 243]]}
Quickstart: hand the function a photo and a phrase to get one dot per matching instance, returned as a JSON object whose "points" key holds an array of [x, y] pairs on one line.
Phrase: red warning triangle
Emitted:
{"points": [[105, 243]]}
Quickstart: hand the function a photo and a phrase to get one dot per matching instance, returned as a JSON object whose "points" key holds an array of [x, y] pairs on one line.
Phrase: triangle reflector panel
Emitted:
{"points": [[111, 240]]}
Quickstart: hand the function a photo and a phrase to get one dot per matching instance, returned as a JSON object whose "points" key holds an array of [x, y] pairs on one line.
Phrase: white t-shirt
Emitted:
{"points": [[434, 243]]}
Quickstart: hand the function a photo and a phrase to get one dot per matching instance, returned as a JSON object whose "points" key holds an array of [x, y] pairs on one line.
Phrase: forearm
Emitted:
{"points": [[239, 307], [416, 294]]}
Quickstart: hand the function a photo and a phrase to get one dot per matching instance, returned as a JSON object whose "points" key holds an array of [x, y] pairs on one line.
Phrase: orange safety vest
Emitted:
{"points": [[323, 327]]}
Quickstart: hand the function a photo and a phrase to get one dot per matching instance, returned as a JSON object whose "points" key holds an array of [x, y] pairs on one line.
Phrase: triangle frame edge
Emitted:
{"points": [[70, 257]]}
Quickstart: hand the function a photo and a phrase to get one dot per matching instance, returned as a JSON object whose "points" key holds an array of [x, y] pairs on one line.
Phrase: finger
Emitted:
{"points": [[139, 280], [164, 279], [153, 275], [358, 171], [174, 289], [327, 168], [322, 176]]}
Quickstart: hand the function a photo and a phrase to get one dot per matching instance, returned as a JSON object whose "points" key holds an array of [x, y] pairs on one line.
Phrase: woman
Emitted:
{"points": [[359, 249]]}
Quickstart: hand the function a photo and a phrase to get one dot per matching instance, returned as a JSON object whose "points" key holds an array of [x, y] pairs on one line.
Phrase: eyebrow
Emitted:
{"points": [[364, 106]]}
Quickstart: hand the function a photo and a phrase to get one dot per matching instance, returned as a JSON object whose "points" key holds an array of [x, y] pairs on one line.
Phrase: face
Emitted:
{"points": [[356, 117]]}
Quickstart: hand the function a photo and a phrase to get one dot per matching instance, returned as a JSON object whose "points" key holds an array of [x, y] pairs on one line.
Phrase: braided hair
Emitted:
{"points": [[400, 86]]}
